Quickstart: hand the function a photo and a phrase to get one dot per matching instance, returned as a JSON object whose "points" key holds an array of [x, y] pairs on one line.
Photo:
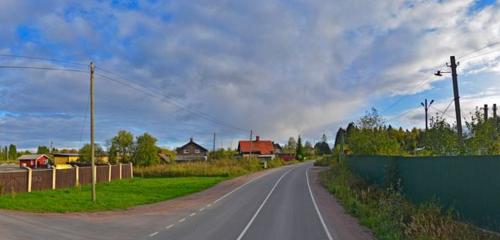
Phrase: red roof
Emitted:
{"points": [[263, 147]]}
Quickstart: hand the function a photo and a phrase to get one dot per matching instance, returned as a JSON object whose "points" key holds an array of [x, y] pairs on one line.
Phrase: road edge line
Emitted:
{"points": [[242, 234], [316, 207]]}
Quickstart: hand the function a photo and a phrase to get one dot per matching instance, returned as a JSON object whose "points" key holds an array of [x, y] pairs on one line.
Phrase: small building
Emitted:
{"points": [[191, 151], [263, 149], [65, 158], [34, 161]]}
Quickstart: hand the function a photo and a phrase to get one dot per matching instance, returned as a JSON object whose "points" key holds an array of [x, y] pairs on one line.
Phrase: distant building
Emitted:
{"points": [[34, 161], [65, 158], [278, 152], [191, 151], [263, 149]]}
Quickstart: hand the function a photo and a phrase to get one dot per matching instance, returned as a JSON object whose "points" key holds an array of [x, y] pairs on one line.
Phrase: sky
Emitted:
{"points": [[181, 69]]}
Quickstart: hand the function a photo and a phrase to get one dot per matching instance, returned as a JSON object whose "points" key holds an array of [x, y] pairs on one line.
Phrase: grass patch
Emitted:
{"points": [[216, 168], [119, 194], [390, 216]]}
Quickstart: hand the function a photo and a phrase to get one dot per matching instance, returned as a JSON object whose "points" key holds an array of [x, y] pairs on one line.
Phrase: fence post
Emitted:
{"points": [[121, 169], [30, 178], [109, 172], [131, 170], [77, 176], [54, 178]]}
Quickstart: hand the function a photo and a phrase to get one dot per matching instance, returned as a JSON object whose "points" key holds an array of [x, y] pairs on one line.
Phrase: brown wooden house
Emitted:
{"points": [[191, 151]]}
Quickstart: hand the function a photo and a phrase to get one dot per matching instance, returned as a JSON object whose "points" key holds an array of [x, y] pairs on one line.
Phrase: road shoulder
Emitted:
{"points": [[342, 225]]}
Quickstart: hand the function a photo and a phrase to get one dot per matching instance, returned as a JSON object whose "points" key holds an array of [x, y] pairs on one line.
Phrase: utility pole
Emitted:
{"points": [[485, 108], [495, 111], [92, 159], [251, 138], [426, 107], [453, 65], [213, 146]]}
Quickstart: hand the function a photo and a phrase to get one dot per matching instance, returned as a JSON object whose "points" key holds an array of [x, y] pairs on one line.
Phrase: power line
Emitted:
{"points": [[403, 97], [480, 55], [43, 59], [164, 98], [42, 68], [478, 50]]}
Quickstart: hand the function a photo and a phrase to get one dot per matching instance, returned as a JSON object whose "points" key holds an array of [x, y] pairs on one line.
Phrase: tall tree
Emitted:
{"points": [[43, 150], [146, 151], [121, 147], [85, 152], [12, 152], [291, 147], [300, 150]]}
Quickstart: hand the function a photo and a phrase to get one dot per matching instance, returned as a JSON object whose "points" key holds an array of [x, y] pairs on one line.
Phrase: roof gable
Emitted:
{"points": [[191, 142], [261, 147]]}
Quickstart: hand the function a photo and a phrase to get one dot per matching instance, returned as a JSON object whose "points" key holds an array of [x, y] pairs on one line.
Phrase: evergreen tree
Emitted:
{"points": [[300, 151], [12, 152]]}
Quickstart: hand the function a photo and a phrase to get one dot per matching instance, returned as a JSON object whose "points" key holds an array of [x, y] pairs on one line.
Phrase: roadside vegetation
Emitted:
{"points": [[372, 136], [392, 217], [115, 195], [384, 209]]}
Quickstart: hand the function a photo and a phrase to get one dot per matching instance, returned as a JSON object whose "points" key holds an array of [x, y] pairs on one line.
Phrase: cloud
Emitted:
{"points": [[279, 68]]}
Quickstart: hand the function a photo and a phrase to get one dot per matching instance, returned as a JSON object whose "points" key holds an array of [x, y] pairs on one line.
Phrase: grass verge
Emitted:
{"points": [[120, 194], [390, 216]]}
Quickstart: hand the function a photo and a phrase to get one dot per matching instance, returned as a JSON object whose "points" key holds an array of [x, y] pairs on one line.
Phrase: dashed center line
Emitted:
{"points": [[192, 214], [169, 226], [182, 220], [209, 205], [153, 234], [201, 209]]}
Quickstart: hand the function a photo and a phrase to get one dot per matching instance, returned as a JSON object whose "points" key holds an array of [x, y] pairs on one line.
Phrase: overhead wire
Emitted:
{"points": [[43, 59], [167, 99]]}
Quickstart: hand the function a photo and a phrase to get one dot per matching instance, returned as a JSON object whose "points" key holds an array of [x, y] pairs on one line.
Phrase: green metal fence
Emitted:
{"points": [[468, 184]]}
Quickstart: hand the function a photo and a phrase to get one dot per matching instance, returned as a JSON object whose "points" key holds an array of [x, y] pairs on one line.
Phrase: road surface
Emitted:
{"points": [[285, 203]]}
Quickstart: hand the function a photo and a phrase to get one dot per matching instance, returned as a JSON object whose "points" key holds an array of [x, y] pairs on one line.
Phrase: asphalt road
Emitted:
{"points": [[275, 206], [286, 203]]}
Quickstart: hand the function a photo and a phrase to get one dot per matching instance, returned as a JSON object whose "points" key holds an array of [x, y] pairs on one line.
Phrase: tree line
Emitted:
{"points": [[370, 135]]}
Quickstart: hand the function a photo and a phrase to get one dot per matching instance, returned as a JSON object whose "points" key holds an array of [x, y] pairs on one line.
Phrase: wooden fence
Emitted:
{"points": [[27, 180]]}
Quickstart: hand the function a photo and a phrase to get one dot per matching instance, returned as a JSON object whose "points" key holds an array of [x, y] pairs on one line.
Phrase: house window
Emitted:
{"points": [[186, 151], [197, 151]]}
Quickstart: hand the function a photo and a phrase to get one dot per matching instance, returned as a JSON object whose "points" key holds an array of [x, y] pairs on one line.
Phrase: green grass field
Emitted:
{"points": [[120, 194]]}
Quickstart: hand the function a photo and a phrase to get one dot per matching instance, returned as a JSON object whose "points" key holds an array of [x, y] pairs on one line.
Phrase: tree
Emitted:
{"points": [[291, 147], [85, 152], [12, 152], [441, 138], [300, 151], [43, 150], [146, 151], [322, 147], [308, 149], [121, 147]]}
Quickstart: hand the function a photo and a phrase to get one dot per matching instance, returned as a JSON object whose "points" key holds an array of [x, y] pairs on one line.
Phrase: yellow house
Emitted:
{"points": [[64, 158]]}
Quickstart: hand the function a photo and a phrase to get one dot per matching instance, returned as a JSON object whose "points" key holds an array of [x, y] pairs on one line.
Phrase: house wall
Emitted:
{"points": [[191, 150]]}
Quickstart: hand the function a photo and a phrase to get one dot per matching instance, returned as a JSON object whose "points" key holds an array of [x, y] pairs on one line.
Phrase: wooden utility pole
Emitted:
{"points": [[426, 106], [251, 138], [485, 109], [495, 110], [92, 159], [453, 65], [213, 147]]}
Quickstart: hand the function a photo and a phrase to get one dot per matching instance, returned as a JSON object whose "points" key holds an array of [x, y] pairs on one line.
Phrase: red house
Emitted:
{"points": [[258, 148], [34, 161]]}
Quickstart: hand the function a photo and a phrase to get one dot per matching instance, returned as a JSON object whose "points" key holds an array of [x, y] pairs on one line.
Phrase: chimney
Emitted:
{"points": [[257, 138], [190, 139]]}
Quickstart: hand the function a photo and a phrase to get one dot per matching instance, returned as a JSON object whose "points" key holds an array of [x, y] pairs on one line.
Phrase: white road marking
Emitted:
{"points": [[261, 206], [169, 226], [192, 214], [153, 234], [317, 209], [209, 205], [182, 220], [202, 209]]}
